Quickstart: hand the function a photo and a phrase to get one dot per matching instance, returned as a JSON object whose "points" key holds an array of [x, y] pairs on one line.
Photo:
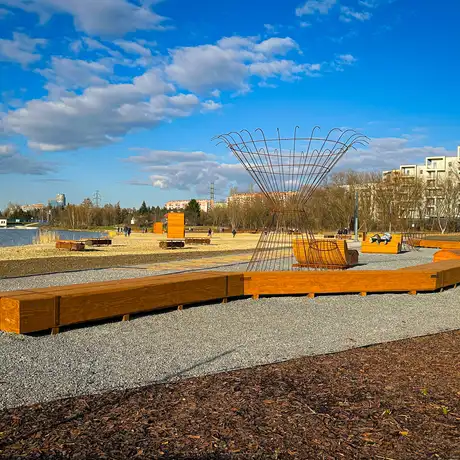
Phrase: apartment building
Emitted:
{"points": [[178, 205], [432, 171]]}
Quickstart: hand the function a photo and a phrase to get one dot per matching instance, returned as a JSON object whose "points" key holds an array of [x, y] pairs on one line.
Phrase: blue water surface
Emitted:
{"points": [[21, 237]]}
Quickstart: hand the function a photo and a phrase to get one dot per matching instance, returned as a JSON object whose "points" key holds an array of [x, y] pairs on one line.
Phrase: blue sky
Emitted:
{"points": [[124, 96]]}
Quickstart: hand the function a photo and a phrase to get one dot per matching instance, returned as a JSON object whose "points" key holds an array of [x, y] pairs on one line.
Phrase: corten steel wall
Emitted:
{"points": [[176, 225], [158, 228]]}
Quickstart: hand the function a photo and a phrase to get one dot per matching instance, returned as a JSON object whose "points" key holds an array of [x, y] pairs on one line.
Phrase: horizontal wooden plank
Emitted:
{"points": [[439, 244], [331, 282], [446, 254], [90, 304], [382, 248]]}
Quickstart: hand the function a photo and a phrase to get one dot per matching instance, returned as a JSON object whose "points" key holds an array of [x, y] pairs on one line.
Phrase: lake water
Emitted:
{"points": [[21, 237]]}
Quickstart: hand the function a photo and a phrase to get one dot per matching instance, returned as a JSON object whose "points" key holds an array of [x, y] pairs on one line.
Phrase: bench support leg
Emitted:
{"points": [[363, 294], [311, 295], [225, 300], [126, 318], [54, 330], [255, 296], [180, 307], [413, 292]]}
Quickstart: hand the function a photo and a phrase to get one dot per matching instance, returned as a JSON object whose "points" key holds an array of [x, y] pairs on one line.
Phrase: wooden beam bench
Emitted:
{"points": [[438, 244], [57, 306], [197, 240], [172, 244], [446, 254], [70, 245], [36, 310], [97, 242]]}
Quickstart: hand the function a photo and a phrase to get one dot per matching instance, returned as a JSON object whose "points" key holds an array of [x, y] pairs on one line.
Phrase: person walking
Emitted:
{"points": [[210, 233], [129, 231], [233, 233]]}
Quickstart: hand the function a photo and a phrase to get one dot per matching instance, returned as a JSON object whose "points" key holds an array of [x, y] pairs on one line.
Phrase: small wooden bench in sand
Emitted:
{"points": [[392, 247], [97, 242], [197, 240], [172, 244], [70, 245]]}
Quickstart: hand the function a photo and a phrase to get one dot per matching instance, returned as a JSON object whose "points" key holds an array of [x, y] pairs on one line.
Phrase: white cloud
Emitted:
{"points": [[283, 69], [168, 157], [131, 47], [315, 6], [210, 106], [276, 46], [389, 153], [21, 49], [101, 17], [369, 3], [100, 115], [189, 170], [347, 58], [347, 15], [12, 162], [72, 74], [230, 63], [206, 67], [86, 107], [4, 13]]}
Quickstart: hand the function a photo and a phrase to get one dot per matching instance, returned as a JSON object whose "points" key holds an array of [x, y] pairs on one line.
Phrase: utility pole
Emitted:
{"points": [[211, 194], [356, 215], [97, 198]]}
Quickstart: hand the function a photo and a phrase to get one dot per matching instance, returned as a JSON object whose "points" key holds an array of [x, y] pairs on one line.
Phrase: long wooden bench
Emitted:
{"points": [[438, 244], [324, 254], [53, 307], [50, 308], [392, 247], [446, 254]]}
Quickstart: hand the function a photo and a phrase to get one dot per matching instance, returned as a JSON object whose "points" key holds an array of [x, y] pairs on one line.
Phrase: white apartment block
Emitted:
{"points": [[178, 205], [434, 169]]}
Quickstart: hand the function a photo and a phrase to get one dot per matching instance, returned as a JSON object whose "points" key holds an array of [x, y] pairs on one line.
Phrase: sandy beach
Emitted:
{"points": [[137, 243], [137, 249]]}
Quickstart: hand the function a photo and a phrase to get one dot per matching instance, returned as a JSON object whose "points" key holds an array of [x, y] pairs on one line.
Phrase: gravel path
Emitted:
{"points": [[209, 339]]}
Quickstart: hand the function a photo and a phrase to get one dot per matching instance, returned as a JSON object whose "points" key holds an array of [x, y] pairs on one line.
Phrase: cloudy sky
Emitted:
{"points": [[125, 96]]}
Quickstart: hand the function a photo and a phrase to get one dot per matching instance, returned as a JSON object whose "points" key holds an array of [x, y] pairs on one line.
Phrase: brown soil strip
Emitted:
{"points": [[397, 401], [24, 267]]}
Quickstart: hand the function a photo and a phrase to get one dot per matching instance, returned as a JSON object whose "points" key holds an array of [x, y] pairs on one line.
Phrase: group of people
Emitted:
{"points": [[125, 230], [210, 232]]}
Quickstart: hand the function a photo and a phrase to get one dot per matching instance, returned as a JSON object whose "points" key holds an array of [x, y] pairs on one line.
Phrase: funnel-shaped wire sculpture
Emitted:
{"points": [[287, 172]]}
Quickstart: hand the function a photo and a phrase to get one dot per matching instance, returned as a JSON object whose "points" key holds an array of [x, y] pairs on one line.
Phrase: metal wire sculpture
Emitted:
{"points": [[288, 171]]}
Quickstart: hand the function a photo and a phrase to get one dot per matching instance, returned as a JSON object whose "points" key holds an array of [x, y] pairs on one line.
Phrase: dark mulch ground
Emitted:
{"points": [[13, 268], [392, 401]]}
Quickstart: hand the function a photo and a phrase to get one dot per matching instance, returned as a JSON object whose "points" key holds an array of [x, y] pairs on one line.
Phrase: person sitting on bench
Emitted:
{"points": [[386, 237]]}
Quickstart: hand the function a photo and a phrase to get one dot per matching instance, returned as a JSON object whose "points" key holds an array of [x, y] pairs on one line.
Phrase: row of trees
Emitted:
{"points": [[395, 203], [87, 215]]}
